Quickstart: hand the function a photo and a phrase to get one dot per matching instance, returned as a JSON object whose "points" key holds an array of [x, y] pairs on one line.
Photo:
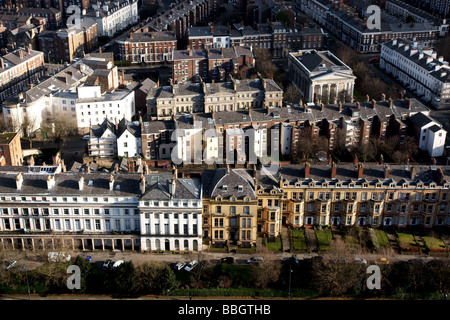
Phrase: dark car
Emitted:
{"points": [[374, 60], [228, 260]]}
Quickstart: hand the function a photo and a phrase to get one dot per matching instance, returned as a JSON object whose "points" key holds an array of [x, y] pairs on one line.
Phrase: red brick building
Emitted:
{"points": [[144, 45], [67, 44], [19, 69], [10, 149]]}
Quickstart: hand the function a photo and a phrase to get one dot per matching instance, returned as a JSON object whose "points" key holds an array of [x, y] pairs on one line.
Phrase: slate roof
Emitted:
{"points": [[156, 126], [419, 119], [372, 173], [213, 182]]}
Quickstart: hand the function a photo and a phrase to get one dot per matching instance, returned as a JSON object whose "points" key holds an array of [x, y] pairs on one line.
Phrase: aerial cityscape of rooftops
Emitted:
{"points": [[273, 139]]}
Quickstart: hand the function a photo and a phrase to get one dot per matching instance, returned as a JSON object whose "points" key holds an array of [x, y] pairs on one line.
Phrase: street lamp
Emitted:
{"points": [[167, 294], [289, 292], [28, 284]]}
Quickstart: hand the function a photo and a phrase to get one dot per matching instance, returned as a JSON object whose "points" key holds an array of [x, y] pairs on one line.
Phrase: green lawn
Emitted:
{"points": [[352, 240], [433, 243], [406, 240], [324, 238], [275, 246], [298, 239], [382, 238]]}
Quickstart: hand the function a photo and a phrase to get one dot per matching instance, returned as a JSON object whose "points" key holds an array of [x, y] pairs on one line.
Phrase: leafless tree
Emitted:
{"points": [[291, 94], [337, 274], [264, 64], [268, 271], [28, 127], [61, 127]]}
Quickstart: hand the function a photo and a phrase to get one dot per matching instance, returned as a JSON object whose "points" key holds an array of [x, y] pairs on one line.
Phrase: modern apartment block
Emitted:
{"points": [[64, 45], [419, 69], [147, 46], [349, 24], [18, 70]]}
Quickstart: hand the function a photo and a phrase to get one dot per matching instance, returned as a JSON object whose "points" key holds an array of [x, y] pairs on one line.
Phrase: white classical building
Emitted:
{"points": [[421, 70], [171, 216], [320, 75], [93, 210], [114, 16]]}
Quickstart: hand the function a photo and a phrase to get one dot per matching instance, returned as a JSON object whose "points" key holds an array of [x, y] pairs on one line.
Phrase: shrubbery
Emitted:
{"points": [[309, 278]]}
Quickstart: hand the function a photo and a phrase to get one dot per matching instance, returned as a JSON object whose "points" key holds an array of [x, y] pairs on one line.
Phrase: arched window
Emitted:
{"points": [[186, 245], [148, 244], [157, 244], [177, 244]]}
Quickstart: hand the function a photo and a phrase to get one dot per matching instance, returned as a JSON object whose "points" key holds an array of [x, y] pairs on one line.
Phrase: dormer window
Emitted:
{"points": [[240, 188], [225, 187]]}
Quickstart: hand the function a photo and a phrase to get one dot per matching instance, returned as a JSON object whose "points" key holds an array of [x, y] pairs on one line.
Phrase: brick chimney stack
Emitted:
{"points": [[386, 171], [333, 170], [360, 170], [307, 170]]}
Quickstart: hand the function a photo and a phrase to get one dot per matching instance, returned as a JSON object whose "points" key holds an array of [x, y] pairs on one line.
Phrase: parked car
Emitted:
{"points": [[255, 260], [228, 260], [381, 261], [191, 265], [116, 264], [106, 264], [374, 60], [180, 265], [294, 257], [11, 263], [363, 261], [411, 261]]}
